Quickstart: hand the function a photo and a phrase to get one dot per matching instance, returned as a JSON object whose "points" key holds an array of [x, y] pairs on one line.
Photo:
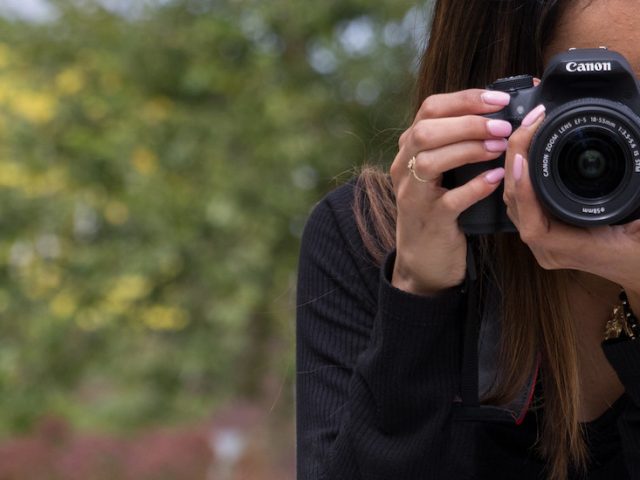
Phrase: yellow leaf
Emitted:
{"points": [[116, 212], [128, 288], [13, 175], [33, 106], [63, 305], [45, 279], [144, 160], [160, 317], [70, 81], [158, 109]]}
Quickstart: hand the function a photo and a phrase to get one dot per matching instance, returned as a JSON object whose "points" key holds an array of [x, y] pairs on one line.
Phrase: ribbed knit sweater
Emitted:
{"points": [[379, 378]]}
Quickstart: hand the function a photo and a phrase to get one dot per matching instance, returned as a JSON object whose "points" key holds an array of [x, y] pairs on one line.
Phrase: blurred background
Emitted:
{"points": [[158, 159]]}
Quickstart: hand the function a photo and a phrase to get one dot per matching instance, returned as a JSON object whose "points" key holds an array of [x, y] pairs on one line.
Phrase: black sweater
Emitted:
{"points": [[379, 378]]}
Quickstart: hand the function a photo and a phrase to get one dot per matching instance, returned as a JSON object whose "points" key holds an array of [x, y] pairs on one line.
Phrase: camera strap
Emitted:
{"points": [[469, 387], [475, 287]]}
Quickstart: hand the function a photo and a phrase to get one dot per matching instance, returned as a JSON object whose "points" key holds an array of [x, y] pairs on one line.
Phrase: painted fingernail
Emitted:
{"points": [[499, 128], [517, 167], [493, 97], [494, 176], [533, 116], [497, 145]]}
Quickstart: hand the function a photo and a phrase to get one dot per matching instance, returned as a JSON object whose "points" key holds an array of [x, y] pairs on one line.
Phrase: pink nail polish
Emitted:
{"points": [[494, 176], [533, 116], [496, 145], [517, 167], [499, 128], [493, 97]]}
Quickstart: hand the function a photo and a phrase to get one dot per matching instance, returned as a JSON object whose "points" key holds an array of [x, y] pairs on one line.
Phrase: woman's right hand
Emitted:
{"points": [[448, 132]]}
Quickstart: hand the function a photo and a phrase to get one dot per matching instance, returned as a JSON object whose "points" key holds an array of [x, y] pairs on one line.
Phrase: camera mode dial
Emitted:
{"points": [[511, 84]]}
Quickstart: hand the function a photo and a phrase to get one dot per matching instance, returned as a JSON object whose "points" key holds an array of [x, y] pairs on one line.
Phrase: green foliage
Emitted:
{"points": [[155, 174]]}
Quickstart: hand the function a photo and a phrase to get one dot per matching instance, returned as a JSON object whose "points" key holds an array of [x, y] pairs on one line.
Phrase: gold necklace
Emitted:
{"points": [[617, 324]]}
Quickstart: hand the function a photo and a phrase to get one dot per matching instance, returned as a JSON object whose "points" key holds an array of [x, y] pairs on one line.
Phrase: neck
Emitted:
{"points": [[592, 300]]}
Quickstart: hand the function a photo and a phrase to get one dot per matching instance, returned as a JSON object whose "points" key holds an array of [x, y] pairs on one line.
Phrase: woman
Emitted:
{"points": [[397, 377]]}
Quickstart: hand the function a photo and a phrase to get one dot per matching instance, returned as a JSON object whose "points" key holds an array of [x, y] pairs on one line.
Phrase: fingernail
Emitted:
{"points": [[533, 116], [497, 145], [517, 167], [499, 128], [493, 97], [494, 176]]}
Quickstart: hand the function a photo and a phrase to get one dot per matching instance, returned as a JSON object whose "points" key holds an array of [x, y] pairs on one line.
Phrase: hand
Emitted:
{"points": [[611, 252], [448, 132]]}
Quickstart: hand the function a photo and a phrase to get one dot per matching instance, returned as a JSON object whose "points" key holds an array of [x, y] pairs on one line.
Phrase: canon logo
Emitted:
{"points": [[588, 67]]}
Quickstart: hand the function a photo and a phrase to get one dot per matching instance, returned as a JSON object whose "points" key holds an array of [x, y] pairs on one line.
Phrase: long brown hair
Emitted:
{"points": [[472, 43]]}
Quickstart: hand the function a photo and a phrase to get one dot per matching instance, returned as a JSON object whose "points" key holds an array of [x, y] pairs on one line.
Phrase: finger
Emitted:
{"points": [[465, 102], [431, 164], [512, 213], [526, 203], [411, 187], [554, 243], [458, 199], [431, 134], [519, 145], [530, 123], [509, 192], [535, 225]]}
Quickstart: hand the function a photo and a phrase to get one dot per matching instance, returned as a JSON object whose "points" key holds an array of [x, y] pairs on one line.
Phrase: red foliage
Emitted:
{"points": [[55, 452]]}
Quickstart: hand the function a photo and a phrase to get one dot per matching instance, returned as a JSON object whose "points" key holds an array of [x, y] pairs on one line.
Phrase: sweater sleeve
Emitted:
{"points": [[624, 357], [377, 368]]}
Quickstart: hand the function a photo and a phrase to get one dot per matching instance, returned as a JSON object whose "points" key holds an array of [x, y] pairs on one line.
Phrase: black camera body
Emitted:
{"points": [[584, 160]]}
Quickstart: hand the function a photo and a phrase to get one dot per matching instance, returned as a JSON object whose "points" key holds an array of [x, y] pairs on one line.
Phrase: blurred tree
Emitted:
{"points": [[157, 163]]}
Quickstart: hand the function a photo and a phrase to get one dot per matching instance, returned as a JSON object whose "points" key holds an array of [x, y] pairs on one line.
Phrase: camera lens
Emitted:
{"points": [[585, 162], [591, 163]]}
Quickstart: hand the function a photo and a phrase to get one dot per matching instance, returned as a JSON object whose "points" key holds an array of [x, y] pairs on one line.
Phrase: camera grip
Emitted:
{"points": [[487, 216]]}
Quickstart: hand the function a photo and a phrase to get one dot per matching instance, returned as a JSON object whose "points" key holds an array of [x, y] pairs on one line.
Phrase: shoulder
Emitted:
{"points": [[364, 209], [332, 241], [333, 220], [334, 214]]}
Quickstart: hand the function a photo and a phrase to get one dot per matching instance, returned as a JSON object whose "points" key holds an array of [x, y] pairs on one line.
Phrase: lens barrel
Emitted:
{"points": [[585, 162]]}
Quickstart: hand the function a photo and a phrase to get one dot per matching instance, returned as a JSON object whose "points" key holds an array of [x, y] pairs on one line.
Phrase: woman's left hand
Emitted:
{"points": [[611, 252]]}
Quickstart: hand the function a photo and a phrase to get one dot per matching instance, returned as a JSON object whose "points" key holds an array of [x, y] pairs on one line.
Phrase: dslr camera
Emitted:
{"points": [[584, 160]]}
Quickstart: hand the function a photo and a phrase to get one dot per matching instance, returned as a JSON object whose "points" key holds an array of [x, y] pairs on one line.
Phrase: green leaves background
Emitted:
{"points": [[157, 164]]}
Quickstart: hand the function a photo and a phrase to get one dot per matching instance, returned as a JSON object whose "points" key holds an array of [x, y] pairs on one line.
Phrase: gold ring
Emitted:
{"points": [[412, 167]]}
